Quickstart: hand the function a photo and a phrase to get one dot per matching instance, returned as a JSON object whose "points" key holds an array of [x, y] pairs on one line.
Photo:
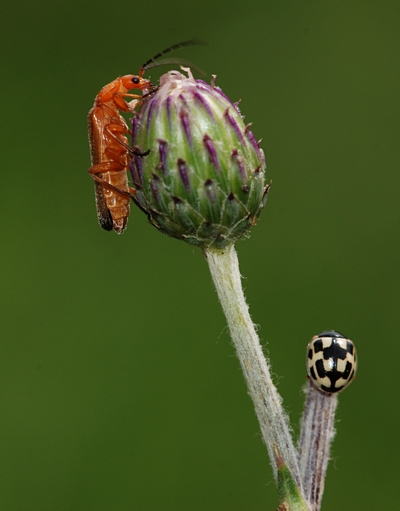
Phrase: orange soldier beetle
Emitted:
{"points": [[109, 150], [109, 147]]}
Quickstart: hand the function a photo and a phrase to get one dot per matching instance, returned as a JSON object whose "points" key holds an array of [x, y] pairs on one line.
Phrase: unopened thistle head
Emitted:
{"points": [[203, 180]]}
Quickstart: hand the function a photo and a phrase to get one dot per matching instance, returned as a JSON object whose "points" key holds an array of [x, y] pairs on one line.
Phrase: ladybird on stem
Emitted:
{"points": [[331, 361]]}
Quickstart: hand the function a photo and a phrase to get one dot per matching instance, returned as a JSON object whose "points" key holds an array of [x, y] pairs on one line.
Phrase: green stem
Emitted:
{"points": [[224, 267]]}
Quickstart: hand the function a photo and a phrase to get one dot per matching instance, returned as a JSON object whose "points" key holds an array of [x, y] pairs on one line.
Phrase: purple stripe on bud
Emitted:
{"points": [[231, 196], [214, 92], [219, 92], [183, 99], [162, 151], [155, 187], [199, 97], [237, 158], [205, 87], [150, 109], [134, 173], [169, 99], [208, 143], [234, 125], [135, 167], [184, 174], [251, 138], [135, 124], [209, 91], [186, 125], [202, 85], [210, 191]]}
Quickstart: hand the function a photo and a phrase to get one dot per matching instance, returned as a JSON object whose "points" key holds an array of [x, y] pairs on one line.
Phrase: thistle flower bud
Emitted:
{"points": [[203, 180]]}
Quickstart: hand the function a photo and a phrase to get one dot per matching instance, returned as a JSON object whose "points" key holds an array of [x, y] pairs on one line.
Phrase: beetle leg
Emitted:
{"points": [[131, 193], [135, 151], [121, 104]]}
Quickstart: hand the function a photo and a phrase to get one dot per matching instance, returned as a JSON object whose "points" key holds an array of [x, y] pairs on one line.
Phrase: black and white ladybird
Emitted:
{"points": [[331, 361]]}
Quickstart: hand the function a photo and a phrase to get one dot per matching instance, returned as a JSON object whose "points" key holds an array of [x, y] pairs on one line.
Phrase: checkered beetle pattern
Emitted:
{"points": [[331, 361]]}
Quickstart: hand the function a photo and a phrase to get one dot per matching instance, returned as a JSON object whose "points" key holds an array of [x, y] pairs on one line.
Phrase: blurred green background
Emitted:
{"points": [[119, 386]]}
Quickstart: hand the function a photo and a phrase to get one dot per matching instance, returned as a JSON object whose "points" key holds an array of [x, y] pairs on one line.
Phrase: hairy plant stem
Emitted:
{"points": [[224, 267], [317, 433]]}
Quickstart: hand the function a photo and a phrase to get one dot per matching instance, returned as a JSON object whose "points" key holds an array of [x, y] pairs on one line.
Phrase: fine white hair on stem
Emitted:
{"points": [[316, 435], [224, 267]]}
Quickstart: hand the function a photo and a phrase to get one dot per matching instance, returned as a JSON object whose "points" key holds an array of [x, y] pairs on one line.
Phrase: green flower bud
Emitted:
{"points": [[203, 180]]}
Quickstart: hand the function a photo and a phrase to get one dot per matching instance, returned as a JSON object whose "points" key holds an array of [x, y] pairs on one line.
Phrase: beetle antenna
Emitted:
{"points": [[181, 62], [191, 42]]}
